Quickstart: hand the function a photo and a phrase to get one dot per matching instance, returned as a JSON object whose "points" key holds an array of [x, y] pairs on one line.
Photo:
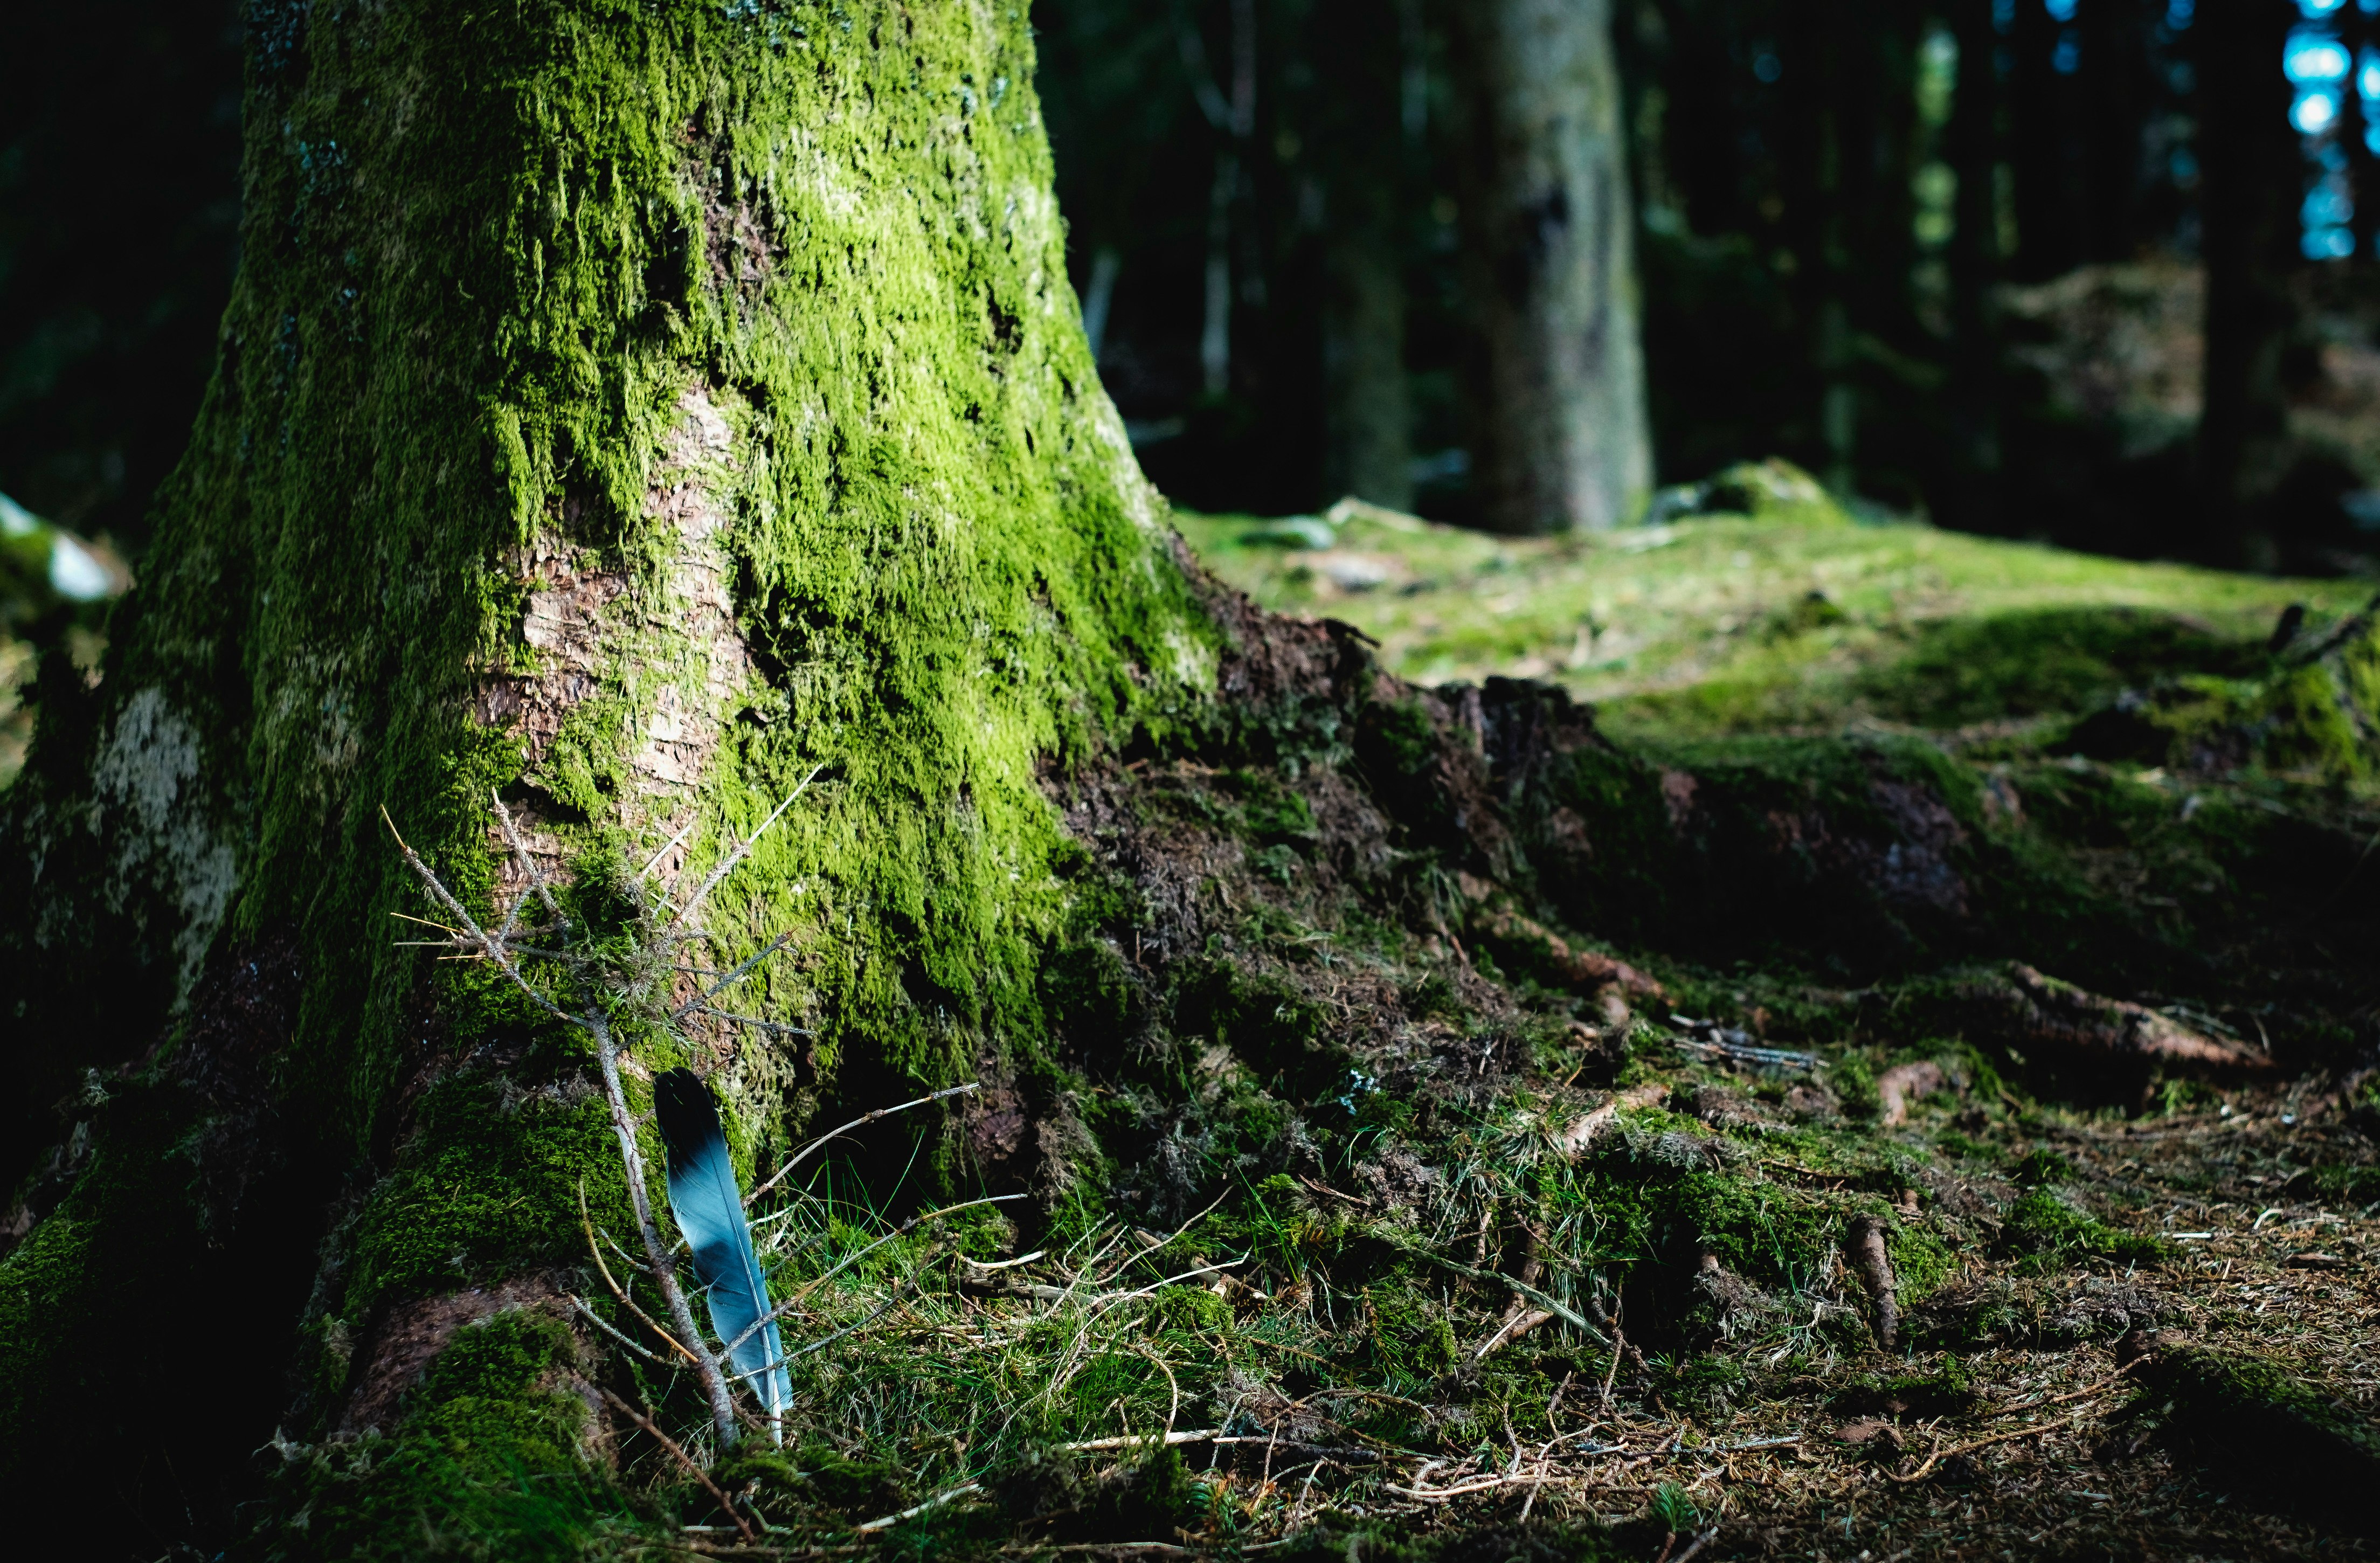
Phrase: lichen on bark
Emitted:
{"points": [[629, 409]]}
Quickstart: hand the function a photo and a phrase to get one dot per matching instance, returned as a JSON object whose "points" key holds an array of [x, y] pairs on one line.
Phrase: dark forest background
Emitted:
{"points": [[1955, 258]]}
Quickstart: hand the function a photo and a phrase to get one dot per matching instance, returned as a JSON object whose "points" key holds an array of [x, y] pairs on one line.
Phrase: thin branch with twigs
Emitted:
{"points": [[598, 984]]}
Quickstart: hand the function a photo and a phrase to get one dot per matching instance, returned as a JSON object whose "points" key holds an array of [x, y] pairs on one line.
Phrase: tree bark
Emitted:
{"points": [[1561, 437], [626, 410], [1368, 448], [1370, 451]]}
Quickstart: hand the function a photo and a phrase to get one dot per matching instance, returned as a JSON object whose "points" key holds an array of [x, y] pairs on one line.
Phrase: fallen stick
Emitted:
{"points": [[2060, 1399], [1133, 1440], [1700, 1541], [886, 1522], [1919, 1474]]}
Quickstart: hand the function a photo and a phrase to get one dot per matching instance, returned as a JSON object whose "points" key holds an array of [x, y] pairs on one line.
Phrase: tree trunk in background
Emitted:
{"points": [[1370, 450], [1368, 439], [2113, 67], [630, 410], [2249, 206], [1972, 150], [1562, 438], [2043, 144], [1817, 152]]}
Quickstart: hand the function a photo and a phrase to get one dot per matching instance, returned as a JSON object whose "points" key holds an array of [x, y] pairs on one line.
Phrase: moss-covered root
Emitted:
{"points": [[2256, 1428]]}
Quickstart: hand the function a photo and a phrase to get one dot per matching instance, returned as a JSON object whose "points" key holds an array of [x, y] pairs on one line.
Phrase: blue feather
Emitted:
{"points": [[708, 1206]]}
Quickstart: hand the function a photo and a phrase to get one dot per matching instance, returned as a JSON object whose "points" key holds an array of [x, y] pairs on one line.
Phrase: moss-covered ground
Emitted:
{"points": [[1738, 623], [1373, 1217]]}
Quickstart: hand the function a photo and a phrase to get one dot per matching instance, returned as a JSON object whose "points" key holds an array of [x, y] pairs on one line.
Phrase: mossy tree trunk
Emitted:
{"points": [[626, 410]]}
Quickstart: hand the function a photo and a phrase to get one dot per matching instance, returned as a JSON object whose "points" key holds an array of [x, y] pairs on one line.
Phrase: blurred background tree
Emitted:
{"points": [[1949, 256], [1982, 260]]}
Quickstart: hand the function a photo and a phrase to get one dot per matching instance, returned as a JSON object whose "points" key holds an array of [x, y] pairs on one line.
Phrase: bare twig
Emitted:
{"points": [[655, 860], [685, 917], [1700, 1541], [743, 1526], [1518, 1324], [596, 1320], [864, 1119], [2058, 1399], [1940, 1452], [714, 1382], [625, 1300], [778, 1028], [473, 936], [732, 978], [889, 1520], [529, 867], [1142, 1440]]}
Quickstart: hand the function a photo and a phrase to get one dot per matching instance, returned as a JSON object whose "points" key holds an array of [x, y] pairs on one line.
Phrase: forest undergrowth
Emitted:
{"points": [[1933, 1137]]}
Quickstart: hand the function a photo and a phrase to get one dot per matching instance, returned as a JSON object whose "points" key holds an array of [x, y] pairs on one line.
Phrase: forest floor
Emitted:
{"points": [[1736, 623], [1682, 1259], [1477, 1129]]}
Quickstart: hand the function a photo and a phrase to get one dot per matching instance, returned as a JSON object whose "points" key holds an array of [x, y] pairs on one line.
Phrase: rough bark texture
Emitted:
{"points": [[1561, 438], [627, 408]]}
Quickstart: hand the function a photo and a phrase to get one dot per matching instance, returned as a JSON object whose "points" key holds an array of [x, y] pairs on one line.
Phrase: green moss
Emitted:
{"points": [[486, 1188], [1775, 491], [2345, 1184], [2041, 1166], [1703, 626], [2317, 718], [1270, 1026], [1645, 1210], [1191, 1309], [2256, 1427], [2045, 1232], [2041, 663], [1921, 1262], [488, 1464], [1707, 1383]]}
